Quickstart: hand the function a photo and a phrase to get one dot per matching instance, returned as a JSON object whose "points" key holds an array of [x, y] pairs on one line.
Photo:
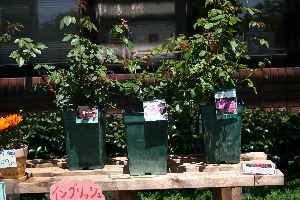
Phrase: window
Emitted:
{"points": [[280, 18], [274, 16], [41, 21], [150, 22]]}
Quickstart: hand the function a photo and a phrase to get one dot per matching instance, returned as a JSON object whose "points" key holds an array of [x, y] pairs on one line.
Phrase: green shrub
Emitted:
{"points": [[44, 134], [115, 136], [275, 132]]}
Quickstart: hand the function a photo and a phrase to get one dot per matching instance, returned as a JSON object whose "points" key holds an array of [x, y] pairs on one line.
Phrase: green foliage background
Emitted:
{"points": [[274, 131]]}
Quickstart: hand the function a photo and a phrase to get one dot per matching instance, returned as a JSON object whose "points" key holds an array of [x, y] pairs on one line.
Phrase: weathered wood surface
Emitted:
{"points": [[183, 172]]}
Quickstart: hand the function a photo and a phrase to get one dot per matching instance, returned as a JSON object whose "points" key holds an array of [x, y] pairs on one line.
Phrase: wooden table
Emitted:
{"points": [[190, 171]]}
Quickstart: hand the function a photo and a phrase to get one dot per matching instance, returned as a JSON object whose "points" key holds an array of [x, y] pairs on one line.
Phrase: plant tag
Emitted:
{"points": [[2, 191], [76, 189], [120, 176], [155, 110], [85, 114], [8, 158], [259, 168], [226, 104]]}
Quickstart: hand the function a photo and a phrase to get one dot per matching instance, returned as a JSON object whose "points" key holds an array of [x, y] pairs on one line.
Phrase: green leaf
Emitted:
{"points": [[87, 92], [251, 12], [208, 26], [67, 20], [171, 46], [250, 84], [233, 20], [264, 42], [14, 54], [128, 42], [20, 61], [233, 45], [75, 41], [155, 52], [61, 24], [265, 74], [67, 37], [73, 86], [208, 2], [188, 54]]}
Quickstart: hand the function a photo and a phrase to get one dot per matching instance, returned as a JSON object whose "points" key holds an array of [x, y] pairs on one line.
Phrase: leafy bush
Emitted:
{"points": [[290, 190], [44, 134], [183, 131], [115, 136], [275, 132]]}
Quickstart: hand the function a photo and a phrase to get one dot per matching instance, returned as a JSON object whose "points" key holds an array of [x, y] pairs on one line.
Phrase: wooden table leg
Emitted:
{"points": [[127, 195], [234, 193]]}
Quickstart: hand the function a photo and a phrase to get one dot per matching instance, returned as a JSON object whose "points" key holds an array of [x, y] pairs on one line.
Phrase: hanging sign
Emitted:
{"points": [[76, 190], [2, 191], [85, 114], [155, 110], [8, 158], [226, 104]]}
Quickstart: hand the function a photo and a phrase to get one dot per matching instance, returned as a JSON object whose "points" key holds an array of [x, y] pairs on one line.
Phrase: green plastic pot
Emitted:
{"points": [[222, 138], [85, 142], [147, 144]]}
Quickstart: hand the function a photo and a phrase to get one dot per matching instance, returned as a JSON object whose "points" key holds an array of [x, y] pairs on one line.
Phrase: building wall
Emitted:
{"points": [[282, 89]]}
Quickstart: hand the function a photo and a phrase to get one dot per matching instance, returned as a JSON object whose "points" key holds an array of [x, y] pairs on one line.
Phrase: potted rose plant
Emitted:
{"points": [[83, 89], [207, 65], [13, 150]]}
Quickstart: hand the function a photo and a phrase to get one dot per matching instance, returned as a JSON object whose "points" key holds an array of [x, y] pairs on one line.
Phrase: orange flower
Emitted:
{"points": [[14, 120], [3, 124]]}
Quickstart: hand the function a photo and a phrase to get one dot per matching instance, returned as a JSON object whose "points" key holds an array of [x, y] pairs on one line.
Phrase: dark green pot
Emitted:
{"points": [[147, 145], [85, 142], [222, 138]]}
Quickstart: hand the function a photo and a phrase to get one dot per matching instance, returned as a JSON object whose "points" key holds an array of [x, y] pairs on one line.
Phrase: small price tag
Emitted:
{"points": [[76, 190], [8, 158], [2, 191]]}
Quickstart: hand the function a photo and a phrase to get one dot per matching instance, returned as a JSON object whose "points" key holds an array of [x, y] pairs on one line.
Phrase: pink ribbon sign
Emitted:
{"points": [[76, 190]]}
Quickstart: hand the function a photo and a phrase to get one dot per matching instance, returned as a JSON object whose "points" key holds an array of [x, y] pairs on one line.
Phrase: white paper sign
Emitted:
{"points": [[8, 158], [2, 191], [259, 168]]}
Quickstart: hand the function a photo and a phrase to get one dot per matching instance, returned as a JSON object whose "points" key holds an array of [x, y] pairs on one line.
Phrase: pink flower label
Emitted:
{"points": [[155, 110], [85, 114], [226, 104]]}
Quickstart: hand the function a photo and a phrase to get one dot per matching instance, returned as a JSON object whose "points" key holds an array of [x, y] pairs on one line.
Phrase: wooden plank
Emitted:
{"points": [[168, 181], [172, 160], [184, 171], [43, 171]]}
